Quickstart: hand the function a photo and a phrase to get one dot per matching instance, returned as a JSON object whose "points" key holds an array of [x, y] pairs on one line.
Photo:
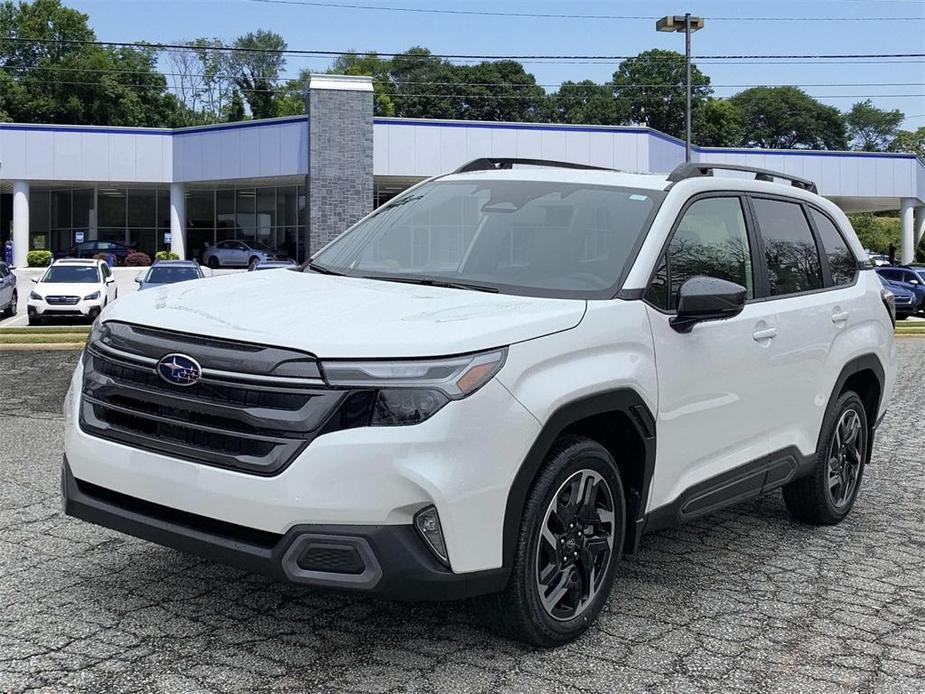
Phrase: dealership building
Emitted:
{"points": [[295, 183]]}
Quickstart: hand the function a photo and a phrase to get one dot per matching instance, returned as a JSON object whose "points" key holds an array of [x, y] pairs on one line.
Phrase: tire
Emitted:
{"points": [[213, 262], [534, 615], [252, 262], [827, 495], [36, 320], [902, 316]]}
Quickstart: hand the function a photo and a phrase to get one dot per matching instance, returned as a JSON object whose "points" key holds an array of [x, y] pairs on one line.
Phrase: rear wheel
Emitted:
{"points": [[827, 496], [570, 540]]}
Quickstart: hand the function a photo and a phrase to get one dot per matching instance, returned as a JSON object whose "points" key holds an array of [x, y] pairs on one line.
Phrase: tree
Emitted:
{"points": [[872, 129], [499, 91], [371, 65], [651, 86], [585, 102], [60, 78], [910, 141], [234, 111], [717, 123], [256, 64], [788, 118], [425, 86]]}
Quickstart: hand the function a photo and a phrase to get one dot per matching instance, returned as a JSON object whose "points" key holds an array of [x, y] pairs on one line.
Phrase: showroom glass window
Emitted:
{"points": [[790, 249], [710, 240]]}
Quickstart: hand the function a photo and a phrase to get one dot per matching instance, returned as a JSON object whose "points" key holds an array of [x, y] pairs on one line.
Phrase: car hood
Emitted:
{"points": [[345, 317], [80, 289]]}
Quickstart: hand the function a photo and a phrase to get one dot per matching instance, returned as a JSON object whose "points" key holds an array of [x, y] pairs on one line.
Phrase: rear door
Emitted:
{"points": [[815, 300], [7, 283], [714, 383]]}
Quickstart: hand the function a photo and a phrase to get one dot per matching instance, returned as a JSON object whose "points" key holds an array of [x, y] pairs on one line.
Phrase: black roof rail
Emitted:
{"points": [[693, 170], [495, 163]]}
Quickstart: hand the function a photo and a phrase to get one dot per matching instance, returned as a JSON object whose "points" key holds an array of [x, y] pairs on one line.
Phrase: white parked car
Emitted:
{"points": [[72, 288], [239, 254], [494, 384]]}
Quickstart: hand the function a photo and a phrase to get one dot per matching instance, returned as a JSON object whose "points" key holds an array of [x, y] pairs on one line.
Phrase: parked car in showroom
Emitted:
{"points": [[607, 354], [908, 279], [904, 299], [232, 253], [89, 249], [169, 272], [71, 288], [273, 265], [9, 298]]}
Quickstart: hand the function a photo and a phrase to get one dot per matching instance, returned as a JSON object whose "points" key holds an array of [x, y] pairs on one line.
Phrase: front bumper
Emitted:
{"points": [[83, 307], [389, 561], [462, 461]]}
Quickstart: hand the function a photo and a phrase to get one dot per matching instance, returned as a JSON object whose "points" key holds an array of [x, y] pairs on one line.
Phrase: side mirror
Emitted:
{"points": [[706, 299], [35, 280], [110, 280], [138, 279]]}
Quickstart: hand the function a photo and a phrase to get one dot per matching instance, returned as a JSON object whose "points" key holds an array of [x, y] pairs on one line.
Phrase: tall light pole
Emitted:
{"points": [[688, 25]]}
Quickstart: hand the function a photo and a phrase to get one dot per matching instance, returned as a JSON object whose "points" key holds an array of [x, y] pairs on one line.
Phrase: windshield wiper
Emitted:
{"points": [[322, 270], [431, 282]]}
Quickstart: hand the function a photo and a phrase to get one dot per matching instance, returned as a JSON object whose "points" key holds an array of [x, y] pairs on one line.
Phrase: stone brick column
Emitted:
{"points": [[339, 185]]}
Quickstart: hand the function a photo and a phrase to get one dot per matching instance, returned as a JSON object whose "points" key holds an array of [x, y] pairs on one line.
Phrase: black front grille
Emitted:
{"points": [[61, 300], [241, 414]]}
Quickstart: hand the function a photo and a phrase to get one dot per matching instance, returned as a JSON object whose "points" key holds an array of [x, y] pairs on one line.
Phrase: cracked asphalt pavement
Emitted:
{"points": [[745, 600]]}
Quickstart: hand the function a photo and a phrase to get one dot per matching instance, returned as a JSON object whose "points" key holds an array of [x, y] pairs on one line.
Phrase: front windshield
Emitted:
{"points": [[168, 275], [524, 237], [72, 274]]}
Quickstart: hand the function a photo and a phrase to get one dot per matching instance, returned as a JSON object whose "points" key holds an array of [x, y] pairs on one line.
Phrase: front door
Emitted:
{"points": [[714, 383]]}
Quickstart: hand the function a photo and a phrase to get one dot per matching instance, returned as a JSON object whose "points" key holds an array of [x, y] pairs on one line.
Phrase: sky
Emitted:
{"points": [[897, 84]]}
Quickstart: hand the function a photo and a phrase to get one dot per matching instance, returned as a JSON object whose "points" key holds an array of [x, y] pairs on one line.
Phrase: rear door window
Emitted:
{"points": [[791, 256], [842, 262]]}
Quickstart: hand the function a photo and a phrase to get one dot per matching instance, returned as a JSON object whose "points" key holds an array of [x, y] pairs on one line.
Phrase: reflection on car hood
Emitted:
{"points": [[346, 317]]}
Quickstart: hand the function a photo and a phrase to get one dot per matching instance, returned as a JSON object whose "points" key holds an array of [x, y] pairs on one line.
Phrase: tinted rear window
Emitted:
{"points": [[790, 250]]}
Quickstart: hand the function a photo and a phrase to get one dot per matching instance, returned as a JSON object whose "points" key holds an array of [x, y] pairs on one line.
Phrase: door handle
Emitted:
{"points": [[766, 334], [839, 316]]}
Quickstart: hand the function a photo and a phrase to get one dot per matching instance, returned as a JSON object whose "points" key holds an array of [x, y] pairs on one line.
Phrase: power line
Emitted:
{"points": [[520, 85], [448, 56], [550, 15]]}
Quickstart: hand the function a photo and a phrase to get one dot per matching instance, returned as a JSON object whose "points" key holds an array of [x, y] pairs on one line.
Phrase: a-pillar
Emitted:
{"points": [[339, 185], [907, 232], [178, 220], [20, 223]]}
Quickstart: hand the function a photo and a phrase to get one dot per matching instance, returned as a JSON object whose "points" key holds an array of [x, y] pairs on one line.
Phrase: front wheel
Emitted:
{"points": [[212, 262], [827, 495], [571, 537]]}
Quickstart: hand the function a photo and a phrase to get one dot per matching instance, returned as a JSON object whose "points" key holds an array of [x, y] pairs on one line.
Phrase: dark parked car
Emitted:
{"points": [[908, 279], [8, 296], [904, 299], [169, 272], [88, 249]]}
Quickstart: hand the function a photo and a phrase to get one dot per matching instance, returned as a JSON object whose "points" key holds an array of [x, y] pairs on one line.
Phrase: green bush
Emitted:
{"points": [[876, 233], [38, 258], [137, 259], [166, 255]]}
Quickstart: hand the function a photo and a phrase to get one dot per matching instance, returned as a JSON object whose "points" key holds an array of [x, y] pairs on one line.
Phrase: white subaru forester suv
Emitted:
{"points": [[494, 384]]}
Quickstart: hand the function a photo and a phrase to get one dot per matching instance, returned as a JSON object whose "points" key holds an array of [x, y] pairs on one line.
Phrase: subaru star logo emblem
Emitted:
{"points": [[179, 369]]}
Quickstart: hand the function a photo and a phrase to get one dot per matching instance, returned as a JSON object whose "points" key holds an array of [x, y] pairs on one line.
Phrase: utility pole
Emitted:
{"points": [[688, 25]]}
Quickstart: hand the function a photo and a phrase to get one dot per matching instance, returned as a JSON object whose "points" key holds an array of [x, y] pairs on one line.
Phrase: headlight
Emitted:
{"points": [[412, 390], [91, 297], [36, 296]]}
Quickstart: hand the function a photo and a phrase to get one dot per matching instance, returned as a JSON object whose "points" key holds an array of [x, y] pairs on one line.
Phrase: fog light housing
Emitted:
{"points": [[427, 523]]}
